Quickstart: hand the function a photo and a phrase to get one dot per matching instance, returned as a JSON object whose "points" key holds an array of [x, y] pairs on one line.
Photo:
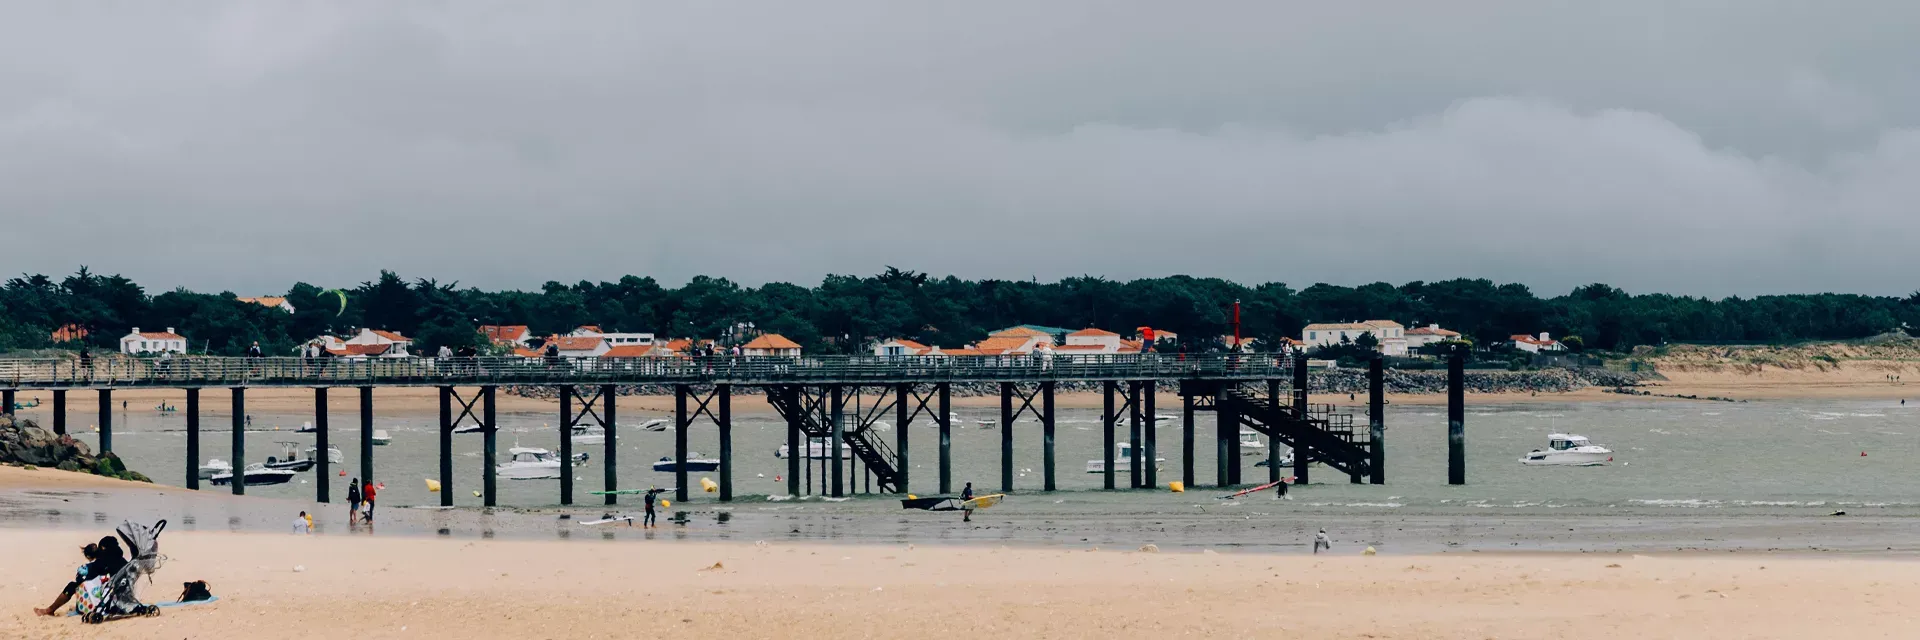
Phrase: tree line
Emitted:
{"points": [[843, 314]]}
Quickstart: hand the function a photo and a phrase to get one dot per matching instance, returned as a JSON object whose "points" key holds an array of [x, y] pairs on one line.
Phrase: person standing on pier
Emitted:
{"points": [[86, 362], [254, 351]]}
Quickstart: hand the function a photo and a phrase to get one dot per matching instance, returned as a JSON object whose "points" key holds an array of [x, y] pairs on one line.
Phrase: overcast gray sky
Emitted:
{"points": [[1730, 147]]}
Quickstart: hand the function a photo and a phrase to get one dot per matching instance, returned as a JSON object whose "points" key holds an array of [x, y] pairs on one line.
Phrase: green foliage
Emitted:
{"points": [[1366, 341], [843, 313]]}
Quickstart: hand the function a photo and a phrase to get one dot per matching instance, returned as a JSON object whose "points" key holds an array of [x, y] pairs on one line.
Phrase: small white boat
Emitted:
{"points": [[1565, 449], [289, 459], [215, 466], [255, 474], [529, 463], [987, 424], [694, 463], [1251, 444], [472, 428], [817, 449], [333, 454], [656, 424], [589, 435], [1122, 460]]}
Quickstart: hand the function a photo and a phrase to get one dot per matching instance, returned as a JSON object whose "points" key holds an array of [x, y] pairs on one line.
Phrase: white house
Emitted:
{"points": [[614, 339], [1532, 344], [899, 347], [139, 342], [581, 346], [367, 343], [277, 302], [1392, 336], [771, 344], [1090, 341], [515, 335], [1423, 336]]}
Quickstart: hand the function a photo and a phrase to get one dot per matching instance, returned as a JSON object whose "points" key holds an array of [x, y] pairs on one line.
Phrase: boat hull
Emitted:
{"points": [[542, 472], [1567, 458], [1121, 465], [254, 479], [692, 466]]}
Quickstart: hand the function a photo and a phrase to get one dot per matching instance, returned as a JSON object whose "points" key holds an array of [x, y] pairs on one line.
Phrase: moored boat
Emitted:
{"points": [[1122, 460], [1568, 450], [255, 474]]}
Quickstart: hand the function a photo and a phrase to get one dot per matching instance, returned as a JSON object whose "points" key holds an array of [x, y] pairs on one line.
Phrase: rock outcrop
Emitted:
{"points": [[24, 443]]}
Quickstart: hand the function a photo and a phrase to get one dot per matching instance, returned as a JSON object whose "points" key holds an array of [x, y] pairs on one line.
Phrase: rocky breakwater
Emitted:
{"points": [[1434, 382], [24, 443]]}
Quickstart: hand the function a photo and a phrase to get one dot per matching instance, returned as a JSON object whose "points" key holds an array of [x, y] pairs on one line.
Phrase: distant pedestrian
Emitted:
{"points": [[302, 524], [1321, 541], [966, 508], [1280, 490], [255, 352], [653, 500], [553, 354], [367, 492], [353, 501], [446, 351]]}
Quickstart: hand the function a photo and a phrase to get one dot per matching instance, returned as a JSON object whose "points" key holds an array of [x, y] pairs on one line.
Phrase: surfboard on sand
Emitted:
{"points": [[982, 502], [626, 519], [1258, 489]]}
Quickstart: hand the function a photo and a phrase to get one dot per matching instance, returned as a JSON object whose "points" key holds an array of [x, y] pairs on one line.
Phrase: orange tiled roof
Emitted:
{"points": [[771, 341], [390, 335], [504, 332], [1090, 331], [636, 351], [1423, 331], [161, 335], [582, 343], [69, 333], [1000, 344], [1081, 347], [909, 344], [265, 301], [360, 349], [1532, 340], [1018, 332], [959, 352]]}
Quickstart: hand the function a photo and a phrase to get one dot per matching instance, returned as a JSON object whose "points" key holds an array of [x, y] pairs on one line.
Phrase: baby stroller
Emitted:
{"points": [[113, 596]]}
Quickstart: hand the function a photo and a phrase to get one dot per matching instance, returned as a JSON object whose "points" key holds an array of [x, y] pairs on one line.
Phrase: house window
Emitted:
{"points": [[1310, 335]]}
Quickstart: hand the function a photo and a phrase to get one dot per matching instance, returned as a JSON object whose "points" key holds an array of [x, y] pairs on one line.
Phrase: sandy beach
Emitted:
{"points": [[348, 586]]}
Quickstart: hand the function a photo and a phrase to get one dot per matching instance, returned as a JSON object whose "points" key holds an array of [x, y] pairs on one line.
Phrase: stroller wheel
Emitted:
{"points": [[149, 610]]}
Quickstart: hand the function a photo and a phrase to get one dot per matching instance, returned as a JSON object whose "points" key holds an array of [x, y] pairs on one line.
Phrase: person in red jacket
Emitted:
{"points": [[366, 494]]}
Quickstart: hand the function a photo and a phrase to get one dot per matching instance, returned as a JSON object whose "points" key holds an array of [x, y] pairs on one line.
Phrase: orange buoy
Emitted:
{"points": [[1863, 454]]}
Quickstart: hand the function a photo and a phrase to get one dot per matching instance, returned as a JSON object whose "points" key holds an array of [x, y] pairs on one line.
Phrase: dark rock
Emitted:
{"points": [[24, 443]]}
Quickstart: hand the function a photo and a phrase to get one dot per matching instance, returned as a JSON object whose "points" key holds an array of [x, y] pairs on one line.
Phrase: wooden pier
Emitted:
{"points": [[811, 393]]}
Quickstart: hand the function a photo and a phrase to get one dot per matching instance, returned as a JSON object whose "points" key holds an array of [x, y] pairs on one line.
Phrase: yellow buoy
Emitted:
{"points": [[476, 494], [709, 485], [1177, 486], [912, 497], [433, 486], [664, 504]]}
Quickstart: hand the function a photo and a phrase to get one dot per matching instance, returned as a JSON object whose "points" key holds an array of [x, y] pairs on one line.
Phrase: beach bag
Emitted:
{"points": [[91, 596], [195, 591]]}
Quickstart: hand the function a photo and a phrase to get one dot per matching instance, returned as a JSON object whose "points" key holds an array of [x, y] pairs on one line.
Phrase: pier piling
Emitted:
{"points": [[566, 445], [610, 423], [680, 420], [6, 401], [106, 420], [1134, 443], [60, 411], [321, 463], [490, 433], [1046, 430], [1152, 454], [901, 416], [1456, 418], [725, 423], [1186, 439], [239, 483], [1377, 421], [193, 433], [1225, 423], [366, 436], [946, 437], [1107, 420], [839, 421], [1273, 444], [797, 451], [446, 446], [1006, 436], [1302, 456]]}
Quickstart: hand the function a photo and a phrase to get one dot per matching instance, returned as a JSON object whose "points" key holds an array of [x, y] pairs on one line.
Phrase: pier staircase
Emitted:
{"points": [[868, 446], [1326, 436]]}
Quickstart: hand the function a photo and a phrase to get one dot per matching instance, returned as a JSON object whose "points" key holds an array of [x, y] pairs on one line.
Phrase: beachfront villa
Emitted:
{"points": [[368, 343], [1091, 341], [899, 347], [614, 339], [1423, 336], [139, 342], [1532, 344], [507, 335], [272, 302], [771, 344], [579, 346], [1392, 336]]}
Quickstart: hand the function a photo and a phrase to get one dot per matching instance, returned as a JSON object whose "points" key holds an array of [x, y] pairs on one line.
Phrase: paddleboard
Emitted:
{"points": [[1258, 489], [626, 519], [982, 502]]}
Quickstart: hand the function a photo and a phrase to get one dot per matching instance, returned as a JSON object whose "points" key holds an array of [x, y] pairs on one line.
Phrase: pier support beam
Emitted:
{"points": [[193, 433], [1133, 438], [1006, 436], [609, 415], [60, 412], [446, 446], [680, 420], [725, 422], [366, 436], [1150, 459], [1107, 420], [239, 441], [1226, 427], [796, 452], [7, 401], [1273, 443], [321, 464], [566, 445], [1377, 421], [1301, 456], [1186, 439], [839, 421], [1046, 429], [946, 437], [902, 415], [106, 421], [1456, 418], [489, 455]]}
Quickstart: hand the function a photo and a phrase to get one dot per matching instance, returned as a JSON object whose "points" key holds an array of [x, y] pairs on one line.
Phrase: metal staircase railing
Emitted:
{"points": [[1327, 436], [870, 449]]}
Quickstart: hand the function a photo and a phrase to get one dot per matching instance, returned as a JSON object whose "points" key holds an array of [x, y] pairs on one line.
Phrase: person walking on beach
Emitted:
{"points": [[366, 494], [966, 495], [1280, 490], [1321, 541], [653, 500], [353, 501], [302, 524]]}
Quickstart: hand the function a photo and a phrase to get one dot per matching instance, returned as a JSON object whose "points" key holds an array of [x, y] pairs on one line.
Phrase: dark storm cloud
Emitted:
{"points": [[1719, 149]]}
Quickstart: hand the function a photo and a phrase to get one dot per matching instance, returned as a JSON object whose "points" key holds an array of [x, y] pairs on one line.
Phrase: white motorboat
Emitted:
{"points": [[1122, 460], [694, 463], [1286, 458], [1565, 449], [1251, 444], [255, 474], [215, 466], [529, 463], [333, 454], [472, 428], [817, 449], [589, 435], [289, 459], [656, 424], [380, 437]]}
